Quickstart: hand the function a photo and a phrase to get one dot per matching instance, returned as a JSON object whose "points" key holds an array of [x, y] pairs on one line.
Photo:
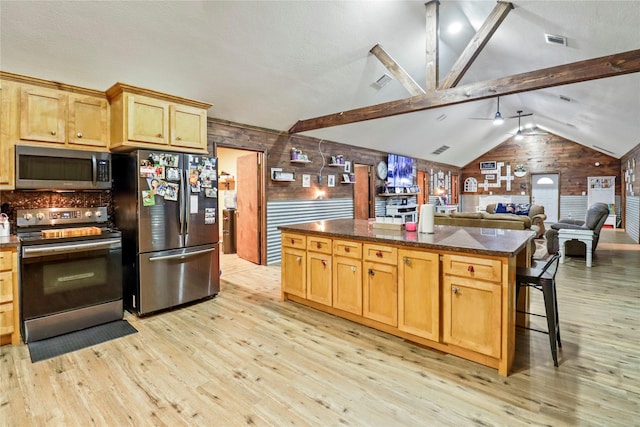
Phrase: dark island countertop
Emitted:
{"points": [[469, 240]]}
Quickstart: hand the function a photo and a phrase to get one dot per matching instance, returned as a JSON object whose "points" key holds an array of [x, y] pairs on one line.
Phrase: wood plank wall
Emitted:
{"points": [[547, 154], [630, 171], [277, 146]]}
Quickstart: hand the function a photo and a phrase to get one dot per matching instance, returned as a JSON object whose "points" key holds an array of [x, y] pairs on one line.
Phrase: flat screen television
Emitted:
{"points": [[400, 171]]}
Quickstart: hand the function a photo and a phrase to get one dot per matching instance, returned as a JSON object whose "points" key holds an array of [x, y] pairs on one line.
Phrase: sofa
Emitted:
{"points": [[489, 219]]}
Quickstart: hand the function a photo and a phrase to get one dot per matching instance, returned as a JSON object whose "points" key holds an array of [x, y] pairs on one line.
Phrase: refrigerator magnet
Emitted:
{"points": [[159, 172], [172, 174], [212, 193], [147, 171], [148, 198], [170, 160], [153, 183], [171, 191]]}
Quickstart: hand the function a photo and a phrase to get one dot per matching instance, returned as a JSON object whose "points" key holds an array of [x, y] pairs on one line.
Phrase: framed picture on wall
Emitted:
{"points": [[306, 180], [347, 166], [331, 180]]}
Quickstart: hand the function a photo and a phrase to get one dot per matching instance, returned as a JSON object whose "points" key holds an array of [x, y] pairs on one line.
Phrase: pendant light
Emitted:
{"points": [[498, 120], [519, 135]]}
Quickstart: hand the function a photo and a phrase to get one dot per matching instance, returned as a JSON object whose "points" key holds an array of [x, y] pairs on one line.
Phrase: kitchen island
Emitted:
{"points": [[453, 290]]}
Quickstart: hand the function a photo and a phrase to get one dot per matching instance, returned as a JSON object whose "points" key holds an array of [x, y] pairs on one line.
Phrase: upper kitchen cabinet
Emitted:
{"points": [[142, 118]]}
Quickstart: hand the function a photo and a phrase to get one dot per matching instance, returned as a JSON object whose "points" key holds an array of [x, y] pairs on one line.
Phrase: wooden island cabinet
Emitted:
{"points": [[453, 290]]}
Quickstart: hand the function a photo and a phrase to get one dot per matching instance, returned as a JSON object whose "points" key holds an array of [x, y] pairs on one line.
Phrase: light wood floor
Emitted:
{"points": [[245, 357]]}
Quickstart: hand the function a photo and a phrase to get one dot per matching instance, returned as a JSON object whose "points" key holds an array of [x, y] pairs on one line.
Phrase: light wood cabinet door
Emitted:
{"points": [[294, 271], [43, 114], [88, 122], [472, 314], [380, 292], [319, 278], [147, 119], [347, 284], [419, 293], [188, 127], [6, 136]]}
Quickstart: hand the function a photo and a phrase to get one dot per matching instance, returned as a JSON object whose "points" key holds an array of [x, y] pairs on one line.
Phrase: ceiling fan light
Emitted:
{"points": [[498, 120], [519, 135]]}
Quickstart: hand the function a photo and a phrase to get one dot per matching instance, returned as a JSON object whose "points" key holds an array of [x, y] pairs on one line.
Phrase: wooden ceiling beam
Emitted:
{"points": [[476, 44], [576, 72], [432, 73], [397, 71]]}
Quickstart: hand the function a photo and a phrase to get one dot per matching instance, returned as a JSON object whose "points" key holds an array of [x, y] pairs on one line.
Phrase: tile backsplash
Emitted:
{"points": [[11, 201]]}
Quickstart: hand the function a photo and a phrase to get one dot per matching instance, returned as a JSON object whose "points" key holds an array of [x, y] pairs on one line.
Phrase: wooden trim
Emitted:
{"points": [[50, 84], [576, 72], [476, 44], [118, 88], [396, 70]]}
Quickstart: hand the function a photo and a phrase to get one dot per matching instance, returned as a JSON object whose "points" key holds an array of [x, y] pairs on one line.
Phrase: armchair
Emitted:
{"points": [[596, 216]]}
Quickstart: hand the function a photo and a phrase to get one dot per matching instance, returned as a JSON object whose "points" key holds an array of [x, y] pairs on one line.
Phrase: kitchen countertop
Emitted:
{"points": [[469, 240], [9, 242]]}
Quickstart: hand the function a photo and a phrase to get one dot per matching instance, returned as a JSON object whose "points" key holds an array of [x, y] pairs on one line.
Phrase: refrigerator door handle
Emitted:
{"points": [[181, 203], [186, 206], [181, 256]]}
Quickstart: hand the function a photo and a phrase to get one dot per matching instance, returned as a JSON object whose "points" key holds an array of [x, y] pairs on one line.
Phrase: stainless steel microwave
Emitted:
{"points": [[43, 168]]}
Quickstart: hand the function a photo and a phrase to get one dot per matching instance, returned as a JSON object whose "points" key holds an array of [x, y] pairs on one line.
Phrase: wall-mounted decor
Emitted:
{"points": [[488, 165], [347, 166], [306, 180], [520, 171], [331, 180], [470, 185]]}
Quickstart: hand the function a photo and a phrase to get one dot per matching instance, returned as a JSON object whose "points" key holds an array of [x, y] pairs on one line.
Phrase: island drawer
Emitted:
{"points": [[347, 248], [471, 267], [294, 240], [319, 244], [6, 318], [5, 260], [380, 253], [6, 286]]}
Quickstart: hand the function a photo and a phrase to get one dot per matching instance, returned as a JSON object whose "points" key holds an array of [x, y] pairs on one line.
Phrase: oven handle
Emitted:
{"points": [[28, 252], [181, 256]]}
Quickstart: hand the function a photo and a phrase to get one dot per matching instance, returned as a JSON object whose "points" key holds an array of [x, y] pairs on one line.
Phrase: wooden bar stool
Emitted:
{"points": [[542, 276]]}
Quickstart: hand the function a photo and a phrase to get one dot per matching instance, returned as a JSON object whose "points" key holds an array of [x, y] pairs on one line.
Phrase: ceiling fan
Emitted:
{"points": [[498, 119], [534, 130]]}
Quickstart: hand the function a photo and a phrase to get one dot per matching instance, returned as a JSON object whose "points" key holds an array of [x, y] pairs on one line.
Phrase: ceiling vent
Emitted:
{"points": [[554, 39], [565, 98], [441, 117], [441, 150], [602, 149], [383, 81]]}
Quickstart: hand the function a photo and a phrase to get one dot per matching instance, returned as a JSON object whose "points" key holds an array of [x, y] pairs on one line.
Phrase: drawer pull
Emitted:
{"points": [[346, 249], [318, 245], [379, 254], [470, 269], [324, 263], [298, 259], [455, 290], [79, 134], [406, 260], [293, 242], [371, 272]]}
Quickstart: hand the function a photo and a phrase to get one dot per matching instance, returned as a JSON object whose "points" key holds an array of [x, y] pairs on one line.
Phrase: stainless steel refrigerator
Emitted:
{"points": [[166, 205]]}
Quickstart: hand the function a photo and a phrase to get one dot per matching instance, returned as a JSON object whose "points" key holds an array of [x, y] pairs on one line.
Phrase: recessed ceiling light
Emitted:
{"points": [[454, 28]]}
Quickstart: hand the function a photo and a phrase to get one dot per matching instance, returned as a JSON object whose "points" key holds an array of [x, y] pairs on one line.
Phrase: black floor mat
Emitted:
{"points": [[52, 347]]}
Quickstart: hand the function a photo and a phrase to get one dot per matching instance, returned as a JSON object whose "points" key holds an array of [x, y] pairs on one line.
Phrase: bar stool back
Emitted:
{"points": [[543, 278]]}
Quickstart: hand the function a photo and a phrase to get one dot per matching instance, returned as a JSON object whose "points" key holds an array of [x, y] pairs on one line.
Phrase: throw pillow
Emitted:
{"points": [[522, 209], [506, 208]]}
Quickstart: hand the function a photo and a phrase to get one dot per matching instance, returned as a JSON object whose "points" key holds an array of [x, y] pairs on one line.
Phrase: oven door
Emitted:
{"points": [[69, 276]]}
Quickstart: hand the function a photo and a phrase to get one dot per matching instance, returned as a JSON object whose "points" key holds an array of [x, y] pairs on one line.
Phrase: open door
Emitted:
{"points": [[363, 192], [248, 213]]}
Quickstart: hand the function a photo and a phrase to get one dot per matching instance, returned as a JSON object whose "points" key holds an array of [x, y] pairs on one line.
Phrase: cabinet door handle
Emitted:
{"points": [[346, 249], [324, 263], [178, 138], [298, 259], [159, 135], [379, 254], [456, 290], [406, 260], [371, 272], [470, 269], [353, 268], [79, 134], [53, 132]]}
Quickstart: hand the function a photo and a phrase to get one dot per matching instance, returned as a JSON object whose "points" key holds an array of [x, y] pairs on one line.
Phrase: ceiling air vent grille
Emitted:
{"points": [[554, 39], [441, 150], [602, 149]]}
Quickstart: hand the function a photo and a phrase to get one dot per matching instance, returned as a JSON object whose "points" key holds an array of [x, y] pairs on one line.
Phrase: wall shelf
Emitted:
{"points": [[300, 161], [336, 165], [397, 194]]}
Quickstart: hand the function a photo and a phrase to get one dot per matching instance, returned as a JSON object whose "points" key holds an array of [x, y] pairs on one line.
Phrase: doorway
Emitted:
{"points": [[243, 197], [363, 192], [545, 191]]}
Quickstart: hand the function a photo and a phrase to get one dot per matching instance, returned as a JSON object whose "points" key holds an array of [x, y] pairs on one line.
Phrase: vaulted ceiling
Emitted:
{"points": [[270, 64]]}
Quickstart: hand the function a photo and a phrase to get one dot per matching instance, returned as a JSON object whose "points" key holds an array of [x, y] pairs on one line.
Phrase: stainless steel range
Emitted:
{"points": [[71, 270]]}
